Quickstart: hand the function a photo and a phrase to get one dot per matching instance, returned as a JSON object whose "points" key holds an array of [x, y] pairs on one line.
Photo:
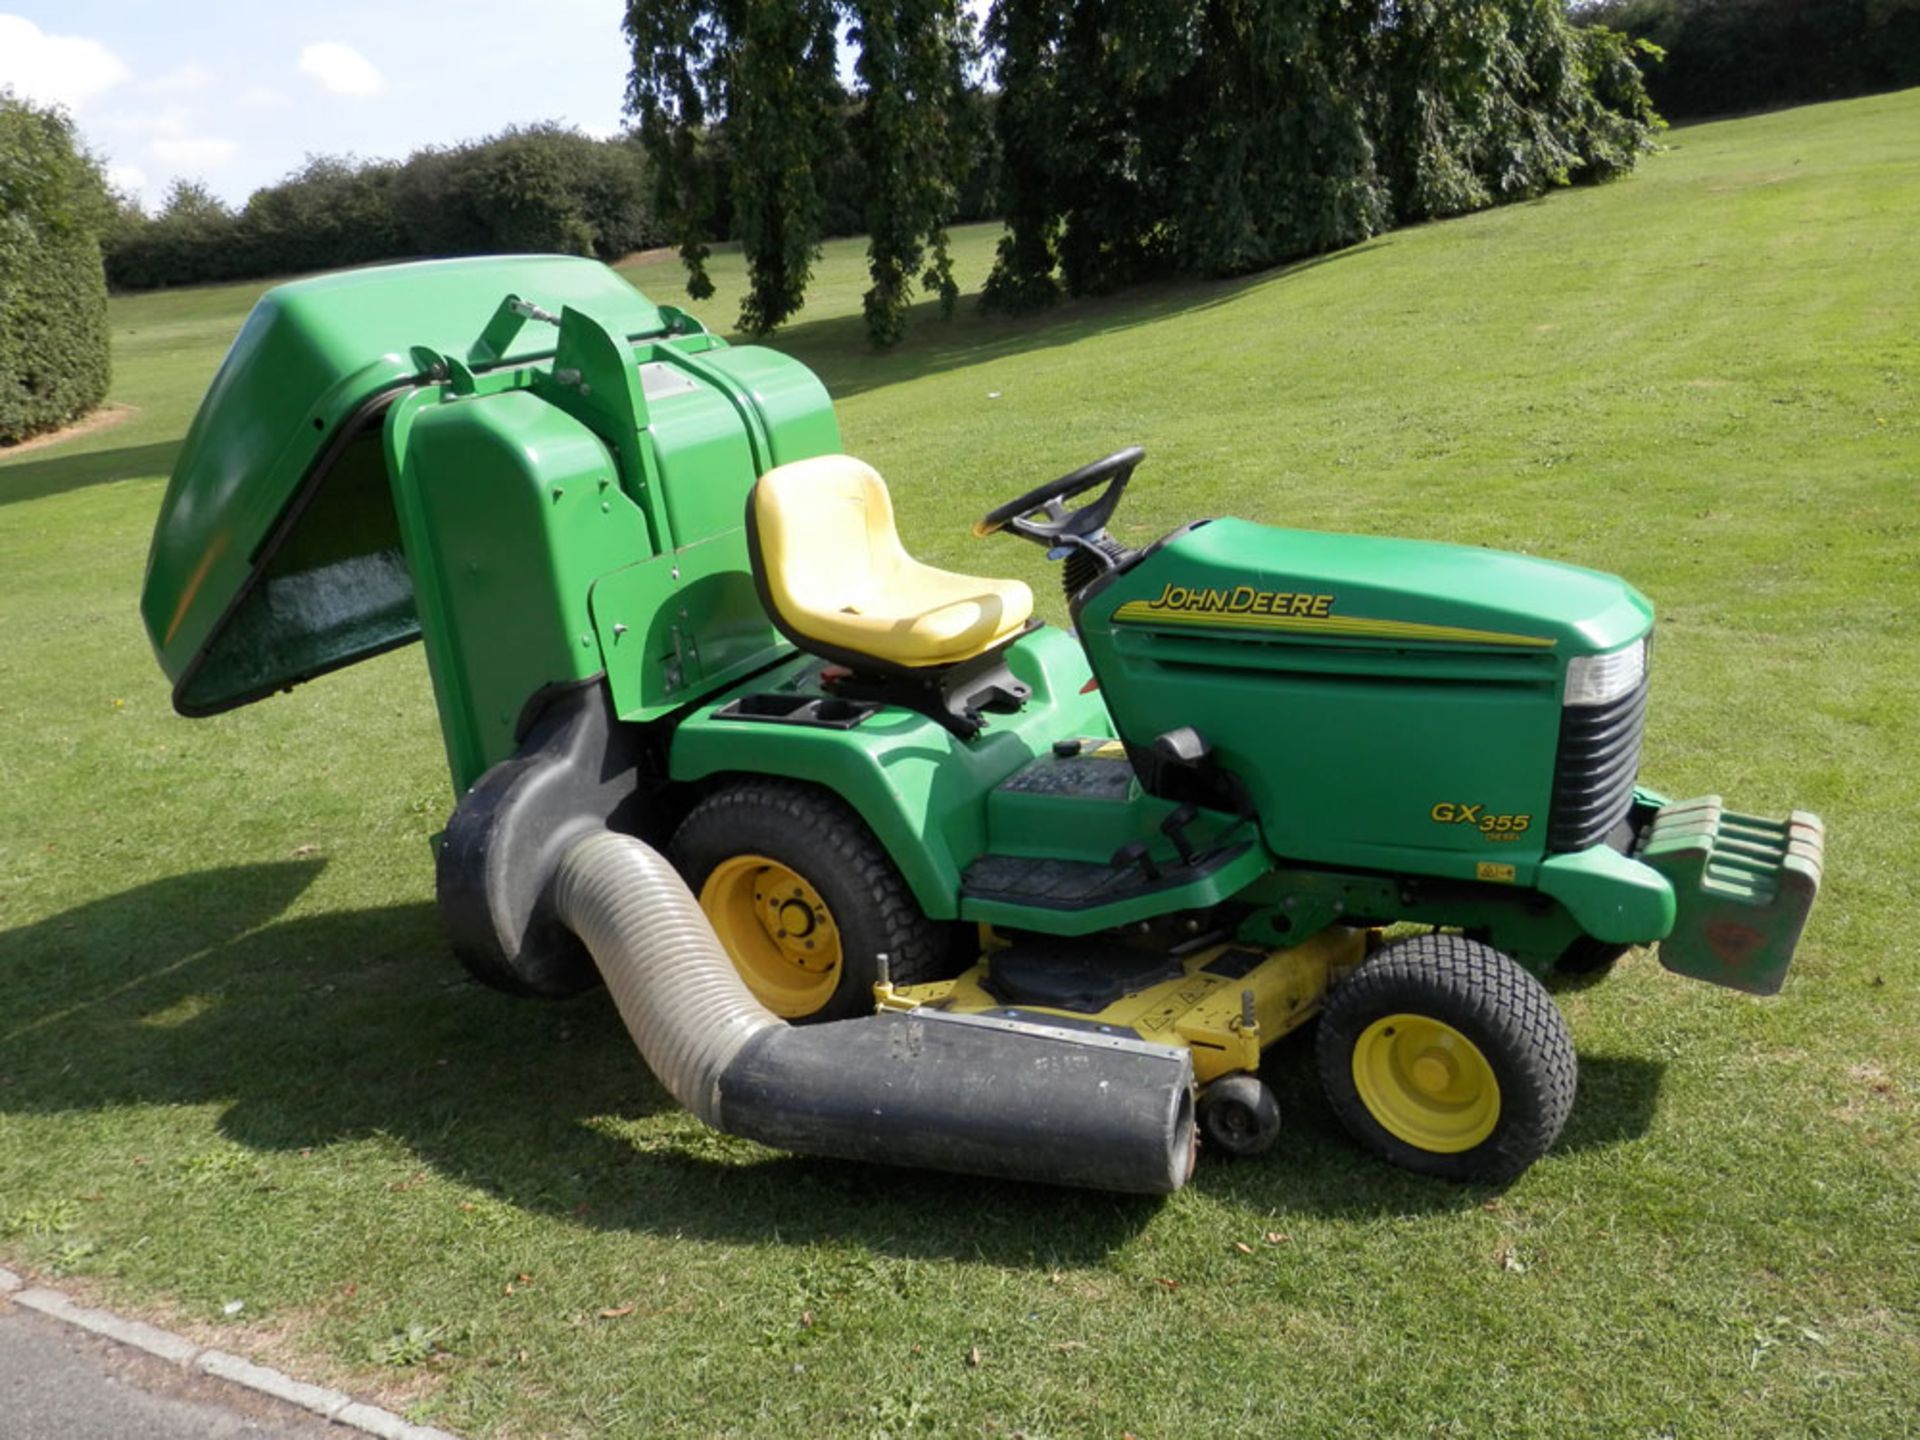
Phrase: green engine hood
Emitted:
{"points": [[1231, 574], [296, 402]]}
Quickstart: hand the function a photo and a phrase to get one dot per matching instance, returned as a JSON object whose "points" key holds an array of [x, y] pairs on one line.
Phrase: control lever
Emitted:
{"points": [[1174, 827], [1133, 854]]}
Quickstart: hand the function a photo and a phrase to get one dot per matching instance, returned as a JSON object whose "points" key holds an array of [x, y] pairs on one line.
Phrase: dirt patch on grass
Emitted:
{"points": [[641, 257], [104, 418]]}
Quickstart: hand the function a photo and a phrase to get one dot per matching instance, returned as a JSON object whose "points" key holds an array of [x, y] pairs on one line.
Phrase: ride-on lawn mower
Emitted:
{"points": [[945, 886]]}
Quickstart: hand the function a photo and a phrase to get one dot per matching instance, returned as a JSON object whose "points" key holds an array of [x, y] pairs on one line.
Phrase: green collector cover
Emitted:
{"points": [[296, 403]]}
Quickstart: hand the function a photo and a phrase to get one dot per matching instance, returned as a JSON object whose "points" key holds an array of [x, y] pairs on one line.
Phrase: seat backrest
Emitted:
{"points": [[823, 534]]}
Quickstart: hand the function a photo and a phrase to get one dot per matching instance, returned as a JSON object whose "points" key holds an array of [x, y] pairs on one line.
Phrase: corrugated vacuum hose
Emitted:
{"points": [[973, 1094]]}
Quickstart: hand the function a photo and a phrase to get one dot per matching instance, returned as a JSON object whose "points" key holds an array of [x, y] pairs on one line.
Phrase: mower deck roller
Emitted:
{"points": [[945, 1092]]}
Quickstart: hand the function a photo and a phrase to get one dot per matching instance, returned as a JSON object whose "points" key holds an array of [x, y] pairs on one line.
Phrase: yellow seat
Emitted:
{"points": [[833, 570]]}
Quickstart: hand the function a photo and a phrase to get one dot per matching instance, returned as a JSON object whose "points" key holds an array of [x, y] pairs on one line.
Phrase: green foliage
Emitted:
{"points": [[766, 69], [1724, 56], [332, 211], [912, 62], [1026, 36], [780, 102], [1218, 139], [1275, 158], [436, 204], [678, 47], [739, 101], [540, 188], [54, 361], [534, 188], [193, 239], [1485, 104], [1126, 138]]}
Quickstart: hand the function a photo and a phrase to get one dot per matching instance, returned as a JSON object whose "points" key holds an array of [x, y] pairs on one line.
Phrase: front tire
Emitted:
{"points": [[804, 899], [1443, 1056]]}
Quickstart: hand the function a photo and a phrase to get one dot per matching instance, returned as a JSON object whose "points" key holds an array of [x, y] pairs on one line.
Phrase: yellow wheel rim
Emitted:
{"points": [[1426, 1083], [778, 930]]}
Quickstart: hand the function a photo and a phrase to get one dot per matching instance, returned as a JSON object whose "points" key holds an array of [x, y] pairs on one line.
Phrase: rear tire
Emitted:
{"points": [[805, 900], [1443, 1056]]}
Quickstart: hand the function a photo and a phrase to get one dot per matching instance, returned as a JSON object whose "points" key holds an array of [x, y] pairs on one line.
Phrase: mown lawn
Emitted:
{"points": [[236, 1063]]}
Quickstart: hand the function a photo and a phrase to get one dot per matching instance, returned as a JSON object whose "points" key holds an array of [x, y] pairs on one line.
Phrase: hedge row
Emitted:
{"points": [[54, 363], [1727, 56], [536, 188]]}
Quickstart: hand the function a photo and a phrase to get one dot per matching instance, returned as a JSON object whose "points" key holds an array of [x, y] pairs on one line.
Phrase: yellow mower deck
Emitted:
{"points": [[1203, 1009]]}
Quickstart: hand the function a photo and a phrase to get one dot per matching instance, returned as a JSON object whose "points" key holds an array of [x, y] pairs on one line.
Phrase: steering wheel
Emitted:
{"points": [[1061, 524]]}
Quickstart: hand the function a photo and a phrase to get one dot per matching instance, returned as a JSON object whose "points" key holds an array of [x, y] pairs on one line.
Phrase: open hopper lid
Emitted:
{"points": [[296, 400]]}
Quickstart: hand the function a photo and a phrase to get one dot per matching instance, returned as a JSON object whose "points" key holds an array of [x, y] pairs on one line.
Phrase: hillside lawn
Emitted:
{"points": [[237, 1063]]}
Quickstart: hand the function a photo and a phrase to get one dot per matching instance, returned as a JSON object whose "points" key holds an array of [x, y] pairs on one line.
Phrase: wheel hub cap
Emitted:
{"points": [[1426, 1083], [778, 931]]}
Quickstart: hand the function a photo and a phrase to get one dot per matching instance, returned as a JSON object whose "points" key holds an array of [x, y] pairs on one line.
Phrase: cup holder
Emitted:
{"points": [[777, 708]]}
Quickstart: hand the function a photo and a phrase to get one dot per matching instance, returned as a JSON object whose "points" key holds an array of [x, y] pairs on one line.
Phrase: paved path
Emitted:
{"points": [[59, 1383]]}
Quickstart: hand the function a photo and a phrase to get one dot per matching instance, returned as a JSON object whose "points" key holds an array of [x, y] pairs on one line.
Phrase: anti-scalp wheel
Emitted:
{"points": [[1238, 1115]]}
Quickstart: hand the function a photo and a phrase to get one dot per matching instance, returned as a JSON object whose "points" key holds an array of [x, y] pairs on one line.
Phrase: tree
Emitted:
{"points": [[765, 68], [193, 239], [1172, 136], [332, 211], [1140, 138], [1723, 56], [913, 55], [758, 77]]}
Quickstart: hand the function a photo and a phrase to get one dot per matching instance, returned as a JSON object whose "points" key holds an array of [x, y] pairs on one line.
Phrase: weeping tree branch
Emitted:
{"points": [[754, 82]]}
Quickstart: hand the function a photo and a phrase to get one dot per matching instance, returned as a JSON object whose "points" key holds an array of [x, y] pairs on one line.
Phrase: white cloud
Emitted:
{"points": [[263, 97], [204, 154], [129, 179], [341, 69], [189, 79], [55, 69], [171, 122]]}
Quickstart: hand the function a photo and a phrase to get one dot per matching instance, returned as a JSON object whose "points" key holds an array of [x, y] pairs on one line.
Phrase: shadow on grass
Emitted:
{"points": [[59, 474], [312, 1030], [318, 1029], [1316, 1168], [837, 349]]}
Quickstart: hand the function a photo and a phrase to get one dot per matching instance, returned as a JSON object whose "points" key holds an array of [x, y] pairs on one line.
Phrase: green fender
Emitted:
{"points": [[921, 790], [1613, 898]]}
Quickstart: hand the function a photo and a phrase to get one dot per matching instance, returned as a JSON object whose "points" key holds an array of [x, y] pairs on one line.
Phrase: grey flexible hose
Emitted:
{"points": [[980, 1095], [678, 993]]}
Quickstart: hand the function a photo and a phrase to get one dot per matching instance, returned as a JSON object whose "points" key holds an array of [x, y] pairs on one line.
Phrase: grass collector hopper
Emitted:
{"points": [[874, 864]]}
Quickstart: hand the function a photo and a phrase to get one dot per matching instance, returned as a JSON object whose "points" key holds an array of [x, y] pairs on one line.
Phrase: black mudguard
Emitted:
{"points": [[578, 769]]}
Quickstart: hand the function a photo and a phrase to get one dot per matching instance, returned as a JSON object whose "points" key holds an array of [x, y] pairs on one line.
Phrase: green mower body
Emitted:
{"points": [[1257, 748]]}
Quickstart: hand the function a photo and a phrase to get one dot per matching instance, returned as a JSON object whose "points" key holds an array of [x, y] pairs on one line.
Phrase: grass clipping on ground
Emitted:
{"points": [[238, 1068]]}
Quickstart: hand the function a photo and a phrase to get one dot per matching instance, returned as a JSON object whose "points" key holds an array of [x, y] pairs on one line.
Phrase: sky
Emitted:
{"points": [[237, 95]]}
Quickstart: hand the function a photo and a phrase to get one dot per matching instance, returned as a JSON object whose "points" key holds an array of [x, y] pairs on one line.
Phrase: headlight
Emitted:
{"points": [[1598, 679]]}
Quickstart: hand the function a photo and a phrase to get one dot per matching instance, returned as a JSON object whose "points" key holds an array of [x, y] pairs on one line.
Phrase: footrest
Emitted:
{"points": [[1742, 886], [1068, 897]]}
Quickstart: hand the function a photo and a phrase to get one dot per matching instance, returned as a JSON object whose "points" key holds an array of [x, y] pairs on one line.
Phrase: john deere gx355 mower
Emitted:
{"points": [[1049, 895]]}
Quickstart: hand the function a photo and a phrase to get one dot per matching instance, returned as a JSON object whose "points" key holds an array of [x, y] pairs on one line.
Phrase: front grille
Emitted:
{"points": [[1593, 777]]}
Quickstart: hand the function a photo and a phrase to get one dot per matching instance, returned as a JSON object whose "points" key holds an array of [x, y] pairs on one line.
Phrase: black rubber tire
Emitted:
{"points": [[818, 835], [1238, 1115], [1492, 1001]]}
